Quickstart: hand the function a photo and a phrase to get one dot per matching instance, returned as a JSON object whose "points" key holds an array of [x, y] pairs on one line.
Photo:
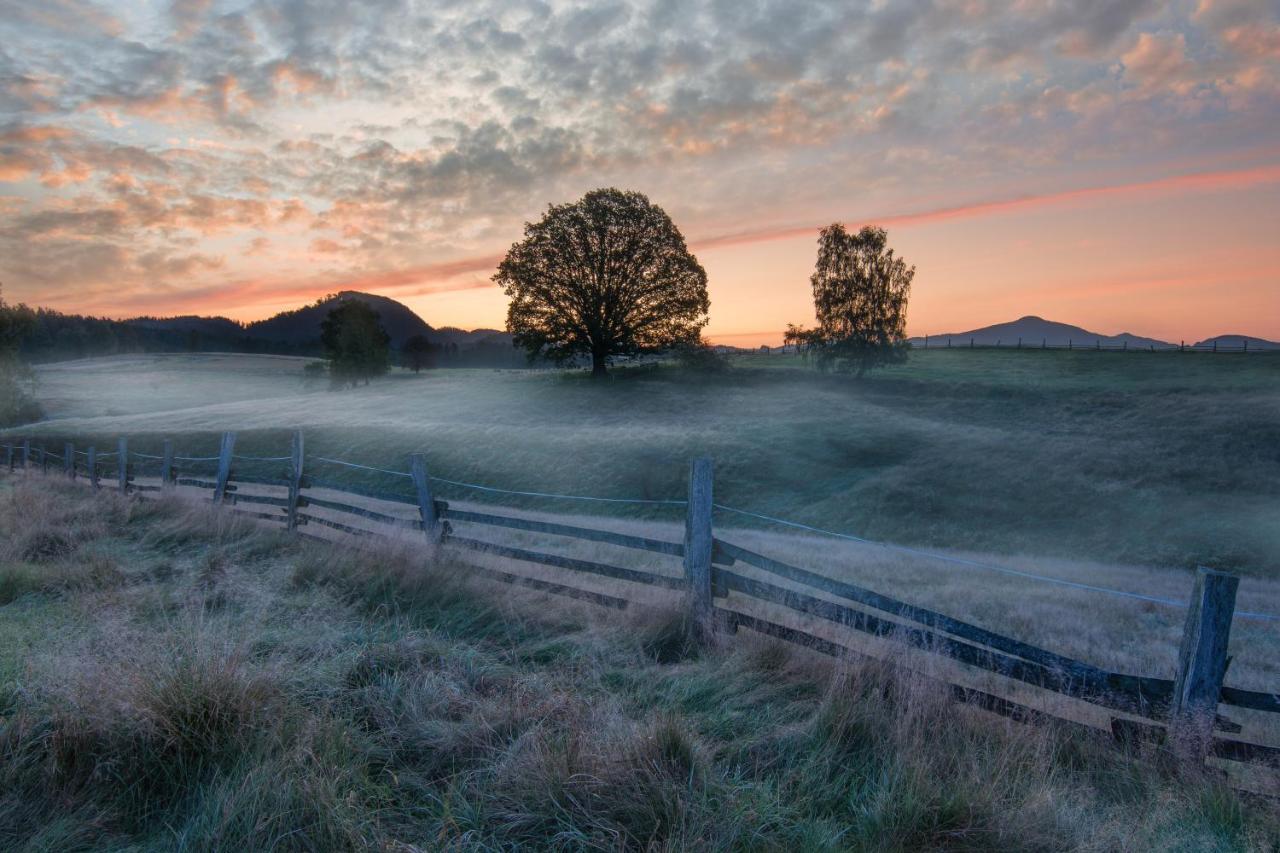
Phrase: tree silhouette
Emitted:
{"points": [[605, 276], [417, 353], [860, 292], [357, 346]]}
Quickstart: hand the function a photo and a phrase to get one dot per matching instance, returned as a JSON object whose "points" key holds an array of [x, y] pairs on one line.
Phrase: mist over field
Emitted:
{"points": [[639, 426], [1156, 459]]}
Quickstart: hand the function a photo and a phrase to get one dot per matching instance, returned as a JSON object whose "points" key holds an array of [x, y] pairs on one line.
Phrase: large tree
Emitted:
{"points": [[357, 346], [605, 276], [860, 291]]}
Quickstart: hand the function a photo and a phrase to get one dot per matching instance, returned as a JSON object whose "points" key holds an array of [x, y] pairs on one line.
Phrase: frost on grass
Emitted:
{"points": [[226, 688]]}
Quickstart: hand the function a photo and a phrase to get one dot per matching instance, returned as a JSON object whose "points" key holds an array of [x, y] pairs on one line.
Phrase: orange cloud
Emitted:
{"points": [[1199, 182]]}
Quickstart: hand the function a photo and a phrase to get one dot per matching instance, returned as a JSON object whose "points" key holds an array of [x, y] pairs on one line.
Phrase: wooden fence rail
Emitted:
{"points": [[1187, 704]]}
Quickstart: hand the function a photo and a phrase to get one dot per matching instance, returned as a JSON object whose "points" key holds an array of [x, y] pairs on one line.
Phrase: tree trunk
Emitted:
{"points": [[597, 365]]}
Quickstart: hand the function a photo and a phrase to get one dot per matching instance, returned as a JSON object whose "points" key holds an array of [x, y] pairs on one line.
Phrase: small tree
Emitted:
{"points": [[605, 276], [17, 403], [417, 353], [356, 345], [860, 292]]}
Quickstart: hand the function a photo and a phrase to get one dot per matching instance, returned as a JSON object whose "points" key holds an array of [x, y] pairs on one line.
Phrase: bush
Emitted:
{"points": [[702, 357], [17, 403]]}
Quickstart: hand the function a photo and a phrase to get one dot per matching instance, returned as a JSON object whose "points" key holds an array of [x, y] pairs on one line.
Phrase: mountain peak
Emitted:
{"points": [[302, 325], [1032, 330]]}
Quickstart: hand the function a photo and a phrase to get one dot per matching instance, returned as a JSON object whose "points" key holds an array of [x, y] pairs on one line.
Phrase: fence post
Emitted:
{"points": [[44, 459], [166, 465], [295, 478], [69, 460], [426, 504], [1202, 659], [224, 466], [93, 466], [698, 542], [8, 456], [26, 453], [122, 464]]}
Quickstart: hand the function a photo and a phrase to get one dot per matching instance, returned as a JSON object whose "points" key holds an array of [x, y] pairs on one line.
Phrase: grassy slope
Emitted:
{"points": [[1161, 459], [173, 678]]}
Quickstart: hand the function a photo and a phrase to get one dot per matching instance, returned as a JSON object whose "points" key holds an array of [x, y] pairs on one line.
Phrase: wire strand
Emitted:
{"points": [[960, 561], [555, 496], [361, 467]]}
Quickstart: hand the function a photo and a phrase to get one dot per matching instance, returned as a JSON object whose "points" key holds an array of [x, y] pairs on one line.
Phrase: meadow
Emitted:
{"points": [[1155, 459], [177, 677]]}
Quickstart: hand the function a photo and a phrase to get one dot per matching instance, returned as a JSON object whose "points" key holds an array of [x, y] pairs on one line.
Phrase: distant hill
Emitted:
{"points": [[219, 327], [1238, 342], [447, 335], [1036, 330], [302, 325]]}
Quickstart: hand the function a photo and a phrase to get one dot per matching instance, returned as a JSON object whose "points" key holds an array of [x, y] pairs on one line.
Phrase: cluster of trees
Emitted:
{"points": [[610, 275]]}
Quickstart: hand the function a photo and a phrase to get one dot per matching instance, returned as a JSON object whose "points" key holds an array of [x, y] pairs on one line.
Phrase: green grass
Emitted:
{"points": [[233, 689], [1147, 458]]}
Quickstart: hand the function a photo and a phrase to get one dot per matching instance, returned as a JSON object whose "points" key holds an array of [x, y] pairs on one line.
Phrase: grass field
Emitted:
{"points": [[178, 678], [1161, 459]]}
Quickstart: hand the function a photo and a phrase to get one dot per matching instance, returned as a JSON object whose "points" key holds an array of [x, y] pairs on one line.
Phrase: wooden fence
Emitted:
{"points": [[1185, 712]]}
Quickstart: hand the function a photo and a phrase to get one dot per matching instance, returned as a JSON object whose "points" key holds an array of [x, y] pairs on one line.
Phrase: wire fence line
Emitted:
{"points": [[589, 498], [978, 564], [903, 549], [717, 595], [357, 465]]}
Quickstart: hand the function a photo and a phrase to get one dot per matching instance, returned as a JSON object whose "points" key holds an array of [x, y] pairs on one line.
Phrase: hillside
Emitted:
{"points": [[302, 325], [213, 327], [1034, 330], [1232, 342]]}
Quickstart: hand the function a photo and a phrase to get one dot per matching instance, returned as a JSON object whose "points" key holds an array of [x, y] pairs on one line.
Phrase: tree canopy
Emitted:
{"points": [[608, 275], [860, 292], [417, 353], [356, 345]]}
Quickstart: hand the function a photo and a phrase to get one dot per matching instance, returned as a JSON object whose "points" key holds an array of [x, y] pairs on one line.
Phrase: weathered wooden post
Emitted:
{"points": [[1202, 660], [426, 504], [69, 460], [295, 478], [122, 464], [224, 466], [8, 456], [166, 465], [44, 459], [93, 466], [698, 542], [26, 453]]}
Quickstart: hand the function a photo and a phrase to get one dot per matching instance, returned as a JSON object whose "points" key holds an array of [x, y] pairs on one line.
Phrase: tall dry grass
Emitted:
{"points": [[234, 690]]}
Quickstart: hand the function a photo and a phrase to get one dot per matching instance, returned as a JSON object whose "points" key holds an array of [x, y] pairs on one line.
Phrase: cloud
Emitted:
{"points": [[409, 134]]}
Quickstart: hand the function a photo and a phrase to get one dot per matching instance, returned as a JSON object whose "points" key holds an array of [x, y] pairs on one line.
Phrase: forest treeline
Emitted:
{"points": [[49, 336]]}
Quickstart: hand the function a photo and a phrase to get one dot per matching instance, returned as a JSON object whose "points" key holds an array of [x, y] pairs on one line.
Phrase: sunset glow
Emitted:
{"points": [[1113, 165]]}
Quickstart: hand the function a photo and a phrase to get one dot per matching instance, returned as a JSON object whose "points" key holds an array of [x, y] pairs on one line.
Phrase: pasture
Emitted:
{"points": [[174, 676], [1153, 459], [1065, 465]]}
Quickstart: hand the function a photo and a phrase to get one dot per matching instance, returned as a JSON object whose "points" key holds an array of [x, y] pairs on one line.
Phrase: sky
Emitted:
{"points": [[1110, 164]]}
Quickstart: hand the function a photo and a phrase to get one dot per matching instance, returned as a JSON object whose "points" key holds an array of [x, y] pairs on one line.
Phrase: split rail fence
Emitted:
{"points": [[1185, 712]]}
